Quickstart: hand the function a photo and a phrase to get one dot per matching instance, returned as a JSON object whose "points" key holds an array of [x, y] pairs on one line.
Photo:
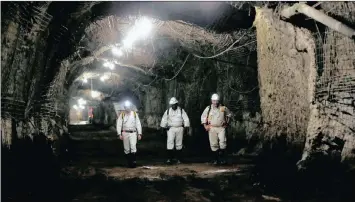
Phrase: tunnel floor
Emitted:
{"points": [[95, 170], [159, 182], [99, 169]]}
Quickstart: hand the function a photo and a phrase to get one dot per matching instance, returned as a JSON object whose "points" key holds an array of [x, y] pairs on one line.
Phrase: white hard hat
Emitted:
{"points": [[215, 97], [173, 100]]}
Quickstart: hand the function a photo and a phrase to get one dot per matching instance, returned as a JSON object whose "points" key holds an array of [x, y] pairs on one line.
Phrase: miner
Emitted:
{"points": [[128, 126], [215, 118], [175, 121]]}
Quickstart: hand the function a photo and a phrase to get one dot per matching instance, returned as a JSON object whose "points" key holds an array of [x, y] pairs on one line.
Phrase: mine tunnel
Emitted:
{"points": [[284, 70]]}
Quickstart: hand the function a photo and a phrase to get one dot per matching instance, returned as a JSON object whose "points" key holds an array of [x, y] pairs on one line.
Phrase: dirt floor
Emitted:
{"points": [[160, 182], [92, 168], [97, 169]]}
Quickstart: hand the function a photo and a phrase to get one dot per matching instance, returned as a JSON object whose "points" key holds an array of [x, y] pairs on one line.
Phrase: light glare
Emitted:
{"points": [[103, 78], [117, 52], [95, 94], [127, 103], [143, 27], [109, 65], [127, 43]]}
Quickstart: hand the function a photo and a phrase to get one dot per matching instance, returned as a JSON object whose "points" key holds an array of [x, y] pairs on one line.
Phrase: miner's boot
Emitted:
{"points": [[222, 156], [216, 158], [133, 160], [170, 157], [178, 155], [128, 158]]}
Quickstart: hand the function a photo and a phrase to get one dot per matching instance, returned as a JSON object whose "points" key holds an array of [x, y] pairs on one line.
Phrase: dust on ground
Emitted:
{"points": [[158, 172]]}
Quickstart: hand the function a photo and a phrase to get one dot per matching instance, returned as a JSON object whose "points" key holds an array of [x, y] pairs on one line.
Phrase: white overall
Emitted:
{"points": [[216, 119], [131, 127], [176, 121]]}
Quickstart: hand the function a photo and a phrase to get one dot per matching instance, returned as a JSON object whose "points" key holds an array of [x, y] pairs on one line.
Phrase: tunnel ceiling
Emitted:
{"points": [[174, 34], [78, 37], [81, 34]]}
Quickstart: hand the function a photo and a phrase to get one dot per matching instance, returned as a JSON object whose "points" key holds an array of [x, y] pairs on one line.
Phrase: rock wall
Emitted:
{"points": [[331, 127], [153, 107], [308, 98], [286, 69], [23, 66]]}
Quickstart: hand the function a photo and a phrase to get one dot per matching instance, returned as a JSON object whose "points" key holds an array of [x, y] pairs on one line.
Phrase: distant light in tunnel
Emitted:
{"points": [[117, 52], [85, 80], [103, 78], [95, 94], [81, 107], [81, 101], [109, 65], [75, 107]]}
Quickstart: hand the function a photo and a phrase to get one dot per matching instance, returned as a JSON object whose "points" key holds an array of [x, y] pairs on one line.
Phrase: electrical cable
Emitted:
{"points": [[221, 53], [179, 69]]}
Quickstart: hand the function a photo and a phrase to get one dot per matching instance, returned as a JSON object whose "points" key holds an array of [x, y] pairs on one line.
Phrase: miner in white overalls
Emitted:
{"points": [[128, 126], [175, 120], [215, 118]]}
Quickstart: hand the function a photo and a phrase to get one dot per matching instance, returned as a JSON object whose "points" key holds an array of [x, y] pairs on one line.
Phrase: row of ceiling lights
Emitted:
{"points": [[140, 30], [102, 78]]}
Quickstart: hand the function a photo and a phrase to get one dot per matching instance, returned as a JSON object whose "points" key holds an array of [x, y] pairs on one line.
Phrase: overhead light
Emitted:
{"points": [[85, 80], [117, 52], [143, 27], [75, 107], [81, 107], [95, 94]]}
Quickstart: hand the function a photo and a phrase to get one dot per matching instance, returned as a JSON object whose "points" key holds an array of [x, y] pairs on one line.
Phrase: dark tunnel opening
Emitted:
{"points": [[70, 70]]}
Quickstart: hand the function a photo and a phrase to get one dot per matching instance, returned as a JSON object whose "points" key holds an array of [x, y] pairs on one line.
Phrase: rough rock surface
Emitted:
{"points": [[286, 64], [304, 97], [332, 117]]}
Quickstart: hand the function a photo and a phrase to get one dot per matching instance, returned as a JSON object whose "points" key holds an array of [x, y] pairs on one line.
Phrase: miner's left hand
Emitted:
{"points": [[140, 137], [187, 130]]}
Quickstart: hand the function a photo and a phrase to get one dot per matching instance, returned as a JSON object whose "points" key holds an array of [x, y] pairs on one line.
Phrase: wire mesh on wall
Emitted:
{"points": [[335, 85]]}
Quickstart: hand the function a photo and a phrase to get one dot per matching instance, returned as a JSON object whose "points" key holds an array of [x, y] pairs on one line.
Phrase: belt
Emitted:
{"points": [[129, 131], [214, 125], [175, 126]]}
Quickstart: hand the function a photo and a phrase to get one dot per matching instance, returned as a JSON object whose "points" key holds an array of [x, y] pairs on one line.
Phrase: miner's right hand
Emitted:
{"points": [[121, 137], [207, 127]]}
